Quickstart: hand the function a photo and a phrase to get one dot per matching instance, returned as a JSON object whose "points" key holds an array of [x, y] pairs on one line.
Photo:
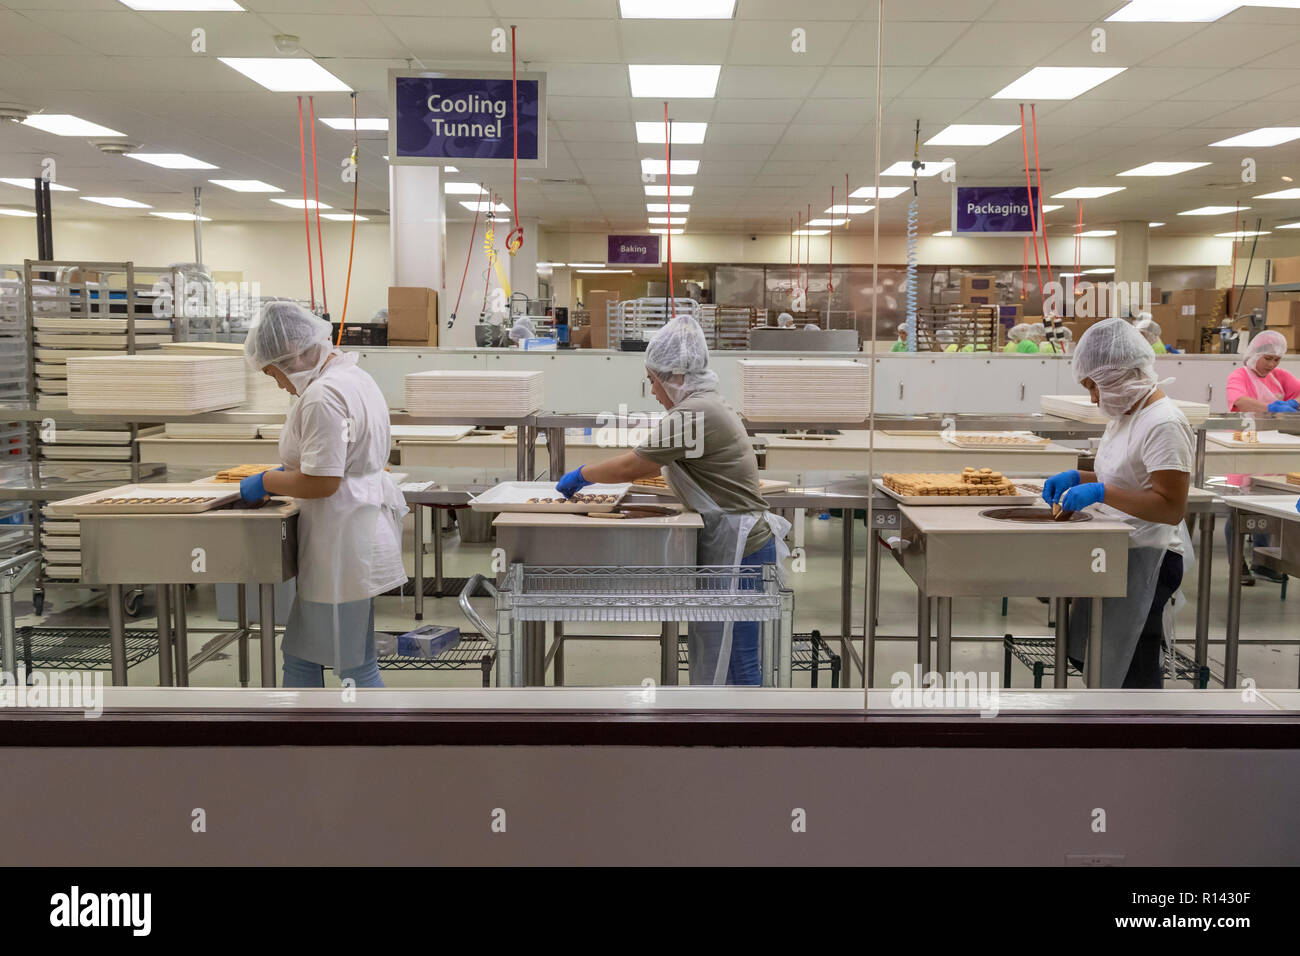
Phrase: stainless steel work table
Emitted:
{"points": [[239, 546], [955, 551]]}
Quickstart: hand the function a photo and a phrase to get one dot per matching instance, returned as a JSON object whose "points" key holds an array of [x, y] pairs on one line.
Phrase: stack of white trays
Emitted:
{"points": [[155, 384], [497, 394], [817, 390]]}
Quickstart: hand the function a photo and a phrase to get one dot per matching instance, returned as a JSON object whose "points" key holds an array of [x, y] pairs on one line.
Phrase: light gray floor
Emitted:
{"points": [[1264, 618]]}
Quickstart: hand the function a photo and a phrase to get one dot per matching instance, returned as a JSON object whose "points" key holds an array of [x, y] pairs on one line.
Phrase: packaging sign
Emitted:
{"points": [[993, 210]]}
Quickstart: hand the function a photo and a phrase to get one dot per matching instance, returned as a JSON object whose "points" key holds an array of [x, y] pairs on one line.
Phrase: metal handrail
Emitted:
{"points": [[467, 592], [19, 566]]}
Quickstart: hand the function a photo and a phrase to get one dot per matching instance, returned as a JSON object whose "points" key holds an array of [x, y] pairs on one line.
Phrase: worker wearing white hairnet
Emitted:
{"points": [[785, 321], [707, 457], [523, 329], [333, 449], [1150, 331], [1019, 341], [1261, 385], [901, 344], [1141, 476]]}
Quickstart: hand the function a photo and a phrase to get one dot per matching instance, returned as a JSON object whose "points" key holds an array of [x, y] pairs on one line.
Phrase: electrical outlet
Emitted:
{"points": [[1094, 859]]}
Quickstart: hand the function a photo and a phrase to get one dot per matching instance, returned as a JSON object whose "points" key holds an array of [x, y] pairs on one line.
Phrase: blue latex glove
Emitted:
{"points": [[571, 483], [1080, 496], [1058, 484], [1291, 405], [253, 488]]}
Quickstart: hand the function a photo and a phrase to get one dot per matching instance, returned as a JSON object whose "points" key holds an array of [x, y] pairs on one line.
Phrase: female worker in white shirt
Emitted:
{"points": [[1141, 477], [333, 450]]}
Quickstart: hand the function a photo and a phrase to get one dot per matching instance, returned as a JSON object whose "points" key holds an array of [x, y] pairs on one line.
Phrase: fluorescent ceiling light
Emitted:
{"points": [[849, 210], [550, 265], [825, 222], [463, 189], [609, 272], [379, 123], [1284, 194], [30, 183], [61, 124], [666, 221], [1051, 208], [663, 191], [677, 9], [1161, 169], [246, 185], [1244, 234], [945, 234], [1174, 11], [1212, 210], [811, 232], [301, 204], [1088, 192], [1154, 225], [1265, 136], [1290, 225], [485, 206], [171, 160], [664, 207], [684, 134], [666, 232], [674, 82], [180, 216], [1098, 272], [964, 134], [185, 6], [659, 167], [585, 265], [342, 217], [869, 192], [280, 75], [117, 202], [904, 168], [445, 169], [24, 213], [1095, 234], [1057, 82]]}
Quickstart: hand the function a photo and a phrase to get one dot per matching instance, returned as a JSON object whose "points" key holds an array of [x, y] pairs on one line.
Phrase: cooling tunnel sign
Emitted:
{"points": [[993, 210], [466, 119]]}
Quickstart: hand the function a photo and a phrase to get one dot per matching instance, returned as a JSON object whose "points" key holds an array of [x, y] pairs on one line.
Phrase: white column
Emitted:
{"points": [[417, 227], [1132, 244]]}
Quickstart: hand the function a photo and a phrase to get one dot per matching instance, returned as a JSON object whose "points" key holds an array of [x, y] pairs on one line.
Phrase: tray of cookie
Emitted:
{"points": [[658, 485], [970, 486], [1020, 441], [157, 498], [542, 496]]}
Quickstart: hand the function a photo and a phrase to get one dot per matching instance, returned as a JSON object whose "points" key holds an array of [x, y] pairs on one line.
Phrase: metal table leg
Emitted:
{"points": [[116, 635], [164, 635], [944, 644], [1205, 565], [923, 632], [558, 654], [555, 452], [436, 515], [419, 562], [521, 455], [1092, 668], [873, 608], [1200, 458], [182, 640], [531, 444], [1061, 676], [266, 632], [846, 590], [1236, 558], [242, 621], [668, 654]]}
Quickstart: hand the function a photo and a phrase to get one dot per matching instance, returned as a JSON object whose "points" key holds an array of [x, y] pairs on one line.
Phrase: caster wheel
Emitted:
{"points": [[38, 602], [131, 603]]}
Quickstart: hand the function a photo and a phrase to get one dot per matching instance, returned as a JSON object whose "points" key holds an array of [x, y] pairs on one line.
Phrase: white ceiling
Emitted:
{"points": [[783, 129]]}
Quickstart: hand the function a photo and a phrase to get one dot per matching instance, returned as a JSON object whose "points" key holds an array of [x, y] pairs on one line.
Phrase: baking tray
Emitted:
{"points": [[1274, 481], [956, 499], [765, 486], [514, 495], [1267, 439], [982, 441], [85, 504]]}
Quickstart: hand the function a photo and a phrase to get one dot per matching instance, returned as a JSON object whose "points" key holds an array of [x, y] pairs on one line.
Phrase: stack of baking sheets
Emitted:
{"points": [[60, 546], [814, 391], [160, 383], [214, 432], [497, 394], [261, 393], [1079, 408]]}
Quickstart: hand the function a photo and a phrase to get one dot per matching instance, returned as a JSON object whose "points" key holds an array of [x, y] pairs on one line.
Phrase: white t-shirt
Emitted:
{"points": [[1155, 438]]}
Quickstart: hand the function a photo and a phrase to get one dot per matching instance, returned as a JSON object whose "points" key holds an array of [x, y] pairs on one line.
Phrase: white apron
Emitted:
{"points": [[346, 544], [721, 542], [1263, 391]]}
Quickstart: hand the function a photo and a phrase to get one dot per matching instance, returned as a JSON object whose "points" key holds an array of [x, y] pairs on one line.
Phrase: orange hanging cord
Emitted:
{"points": [[515, 238], [352, 245], [306, 216]]}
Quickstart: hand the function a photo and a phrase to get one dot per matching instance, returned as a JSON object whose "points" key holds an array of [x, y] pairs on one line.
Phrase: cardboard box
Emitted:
{"points": [[977, 298], [1166, 316], [1283, 313], [1284, 270], [596, 303], [1244, 305], [978, 284], [412, 315], [581, 339], [411, 344], [1291, 333], [1014, 313]]}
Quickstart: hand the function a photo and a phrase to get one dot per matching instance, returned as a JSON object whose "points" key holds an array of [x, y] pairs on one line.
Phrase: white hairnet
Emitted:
{"points": [[678, 356], [1120, 363], [523, 329], [812, 327], [1147, 328], [902, 327], [1037, 332], [1018, 333], [785, 320], [1265, 343], [286, 335]]}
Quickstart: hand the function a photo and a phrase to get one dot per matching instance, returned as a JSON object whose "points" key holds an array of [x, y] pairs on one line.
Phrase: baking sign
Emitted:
{"points": [[633, 251], [437, 118], [993, 210]]}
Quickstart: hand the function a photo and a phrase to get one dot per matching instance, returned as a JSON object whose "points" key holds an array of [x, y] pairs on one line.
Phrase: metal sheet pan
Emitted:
{"points": [[957, 499], [514, 495]]}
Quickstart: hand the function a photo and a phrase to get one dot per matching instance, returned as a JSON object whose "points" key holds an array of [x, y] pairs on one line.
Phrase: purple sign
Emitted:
{"points": [[993, 210], [466, 118], [633, 251]]}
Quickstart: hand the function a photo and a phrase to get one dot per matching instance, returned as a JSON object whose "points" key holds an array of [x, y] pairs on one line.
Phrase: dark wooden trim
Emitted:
{"points": [[316, 728]]}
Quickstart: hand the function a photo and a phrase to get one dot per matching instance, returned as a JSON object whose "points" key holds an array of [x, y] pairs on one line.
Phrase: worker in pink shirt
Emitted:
{"points": [[1259, 385]]}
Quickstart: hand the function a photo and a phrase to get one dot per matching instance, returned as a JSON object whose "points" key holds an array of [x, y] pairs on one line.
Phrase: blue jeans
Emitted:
{"points": [[745, 668], [304, 673]]}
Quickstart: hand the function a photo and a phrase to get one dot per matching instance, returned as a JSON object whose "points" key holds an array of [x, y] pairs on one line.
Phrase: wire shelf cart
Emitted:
{"points": [[530, 596], [977, 326]]}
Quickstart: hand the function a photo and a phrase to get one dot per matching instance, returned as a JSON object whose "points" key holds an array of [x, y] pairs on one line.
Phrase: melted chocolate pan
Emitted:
{"points": [[1031, 515]]}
